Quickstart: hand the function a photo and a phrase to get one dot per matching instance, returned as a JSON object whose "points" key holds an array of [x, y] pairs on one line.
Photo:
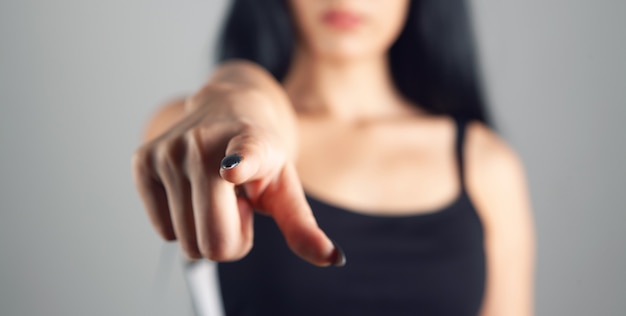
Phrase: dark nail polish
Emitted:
{"points": [[338, 258], [231, 161]]}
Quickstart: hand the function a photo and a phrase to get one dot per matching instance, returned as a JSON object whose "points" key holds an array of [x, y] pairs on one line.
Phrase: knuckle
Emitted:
{"points": [[219, 250], [247, 246], [166, 236], [164, 230], [140, 161], [168, 156], [257, 143], [193, 255], [246, 126], [198, 98], [247, 138], [250, 143], [207, 252], [197, 155], [203, 246], [190, 248], [218, 253]]}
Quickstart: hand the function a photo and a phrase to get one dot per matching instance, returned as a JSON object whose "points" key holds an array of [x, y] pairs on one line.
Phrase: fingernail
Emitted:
{"points": [[338, 257], [231, 161]]}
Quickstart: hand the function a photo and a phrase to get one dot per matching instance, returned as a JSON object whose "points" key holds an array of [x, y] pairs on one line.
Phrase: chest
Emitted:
{"points": [[386, 169]]}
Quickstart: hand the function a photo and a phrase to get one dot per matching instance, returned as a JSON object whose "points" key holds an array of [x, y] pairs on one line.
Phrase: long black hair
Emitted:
{"points": [[433, 61]]}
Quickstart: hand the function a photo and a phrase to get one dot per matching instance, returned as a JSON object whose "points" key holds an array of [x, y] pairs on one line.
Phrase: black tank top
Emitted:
{"points": [[423, 264]]}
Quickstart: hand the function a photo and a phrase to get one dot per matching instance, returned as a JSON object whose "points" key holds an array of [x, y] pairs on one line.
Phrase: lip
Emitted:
{"points": [[341, 19]]}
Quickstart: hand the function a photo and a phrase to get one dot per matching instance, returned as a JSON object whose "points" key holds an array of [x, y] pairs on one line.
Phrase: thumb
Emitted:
{"points": [[248, 157]]}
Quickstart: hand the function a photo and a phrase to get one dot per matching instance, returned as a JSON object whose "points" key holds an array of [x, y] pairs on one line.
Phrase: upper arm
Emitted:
{"points": [[496, 183]]}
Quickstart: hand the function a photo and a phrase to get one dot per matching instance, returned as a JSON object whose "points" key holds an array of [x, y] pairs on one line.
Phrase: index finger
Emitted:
{"points": [[284, 200]]}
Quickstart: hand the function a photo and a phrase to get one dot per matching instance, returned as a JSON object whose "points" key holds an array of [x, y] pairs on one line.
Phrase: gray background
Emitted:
{"points": [[79, 78]]}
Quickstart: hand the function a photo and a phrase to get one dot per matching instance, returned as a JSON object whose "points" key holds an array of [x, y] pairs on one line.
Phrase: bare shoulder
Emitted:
{"points": [[489, 153], [496, 184], [495, 173]]}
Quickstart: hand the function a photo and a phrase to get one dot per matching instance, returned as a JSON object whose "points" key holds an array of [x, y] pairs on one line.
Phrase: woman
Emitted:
{"points": [[360, 121]]}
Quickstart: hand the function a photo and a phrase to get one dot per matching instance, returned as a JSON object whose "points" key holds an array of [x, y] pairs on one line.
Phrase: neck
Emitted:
{"points": [[355, 89]]}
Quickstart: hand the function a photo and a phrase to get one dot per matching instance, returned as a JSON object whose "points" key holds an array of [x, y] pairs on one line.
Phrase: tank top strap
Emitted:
{"points": [[461, 124]]}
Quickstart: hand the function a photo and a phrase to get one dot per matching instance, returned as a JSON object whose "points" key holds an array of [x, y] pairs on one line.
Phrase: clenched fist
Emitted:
{"points": [[227, 156]]}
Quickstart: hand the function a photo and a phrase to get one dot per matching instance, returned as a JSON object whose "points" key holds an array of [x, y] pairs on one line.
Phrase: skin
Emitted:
{"points": [[285, 132]]}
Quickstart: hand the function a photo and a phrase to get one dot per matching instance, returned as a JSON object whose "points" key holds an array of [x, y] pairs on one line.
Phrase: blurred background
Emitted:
{"points": [[79, 79]]}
